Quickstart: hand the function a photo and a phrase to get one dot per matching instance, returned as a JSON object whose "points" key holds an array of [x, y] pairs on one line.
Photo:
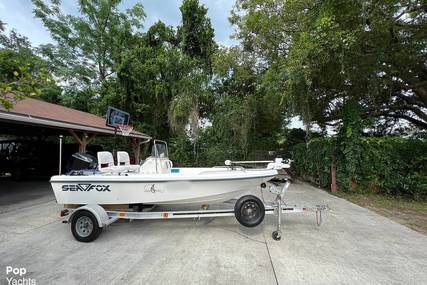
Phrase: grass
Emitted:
{"points": [[412, 214]]}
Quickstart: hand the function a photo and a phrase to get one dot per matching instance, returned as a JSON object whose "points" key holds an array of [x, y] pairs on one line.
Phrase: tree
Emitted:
{"points": [[13, 41], [186, 103], [22, 72], [196, 41], [196, 33], [245, 116], [334, 55], [146, 78], [89, 46]]}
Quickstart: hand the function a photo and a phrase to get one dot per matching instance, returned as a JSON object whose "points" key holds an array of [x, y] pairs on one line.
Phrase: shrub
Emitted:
{"points": [[391, 165]]}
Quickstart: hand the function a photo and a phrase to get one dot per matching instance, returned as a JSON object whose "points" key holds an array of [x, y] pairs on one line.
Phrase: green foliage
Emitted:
{"points": [[90, 41], [196, 33], [181, 150], [356, 66], [145, 80], [328, 53], [313, 160], [82, 100], [185, 107], [243, 117], [89, 46], [189, 102], [392, 165], [22, 72], [14, 41], [293, 137]]}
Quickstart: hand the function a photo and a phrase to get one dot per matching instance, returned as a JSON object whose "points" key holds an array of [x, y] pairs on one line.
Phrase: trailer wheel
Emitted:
{"points": [[84, 226], [277, 235], [249, 211]]}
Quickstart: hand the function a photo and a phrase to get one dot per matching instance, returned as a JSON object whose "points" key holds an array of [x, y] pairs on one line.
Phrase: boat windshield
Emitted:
{"points": [[160, 149]]}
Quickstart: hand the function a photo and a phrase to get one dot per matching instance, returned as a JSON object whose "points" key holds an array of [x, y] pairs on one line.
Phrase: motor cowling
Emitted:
{"points": [[81, 161]]}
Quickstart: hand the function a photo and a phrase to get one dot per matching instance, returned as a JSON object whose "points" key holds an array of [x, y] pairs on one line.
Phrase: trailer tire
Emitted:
{"points": [[277, 235], [85, 227], [249, 211]]}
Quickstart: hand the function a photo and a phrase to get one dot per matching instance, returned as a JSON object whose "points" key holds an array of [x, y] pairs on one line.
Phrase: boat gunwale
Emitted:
{"points": [[90, 179]]}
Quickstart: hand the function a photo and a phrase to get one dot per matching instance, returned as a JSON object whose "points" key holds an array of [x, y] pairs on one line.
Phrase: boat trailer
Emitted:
{"points": [[88, 221]]}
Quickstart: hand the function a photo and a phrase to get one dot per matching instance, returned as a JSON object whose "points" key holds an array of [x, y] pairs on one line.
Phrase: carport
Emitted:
{"points": [[34, 117]]}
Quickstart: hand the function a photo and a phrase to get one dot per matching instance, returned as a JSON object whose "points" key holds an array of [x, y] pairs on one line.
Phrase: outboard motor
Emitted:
{"points": [[81, 162]]}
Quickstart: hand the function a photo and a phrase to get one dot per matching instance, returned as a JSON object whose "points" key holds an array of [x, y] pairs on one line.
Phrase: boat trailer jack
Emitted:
{"points": [[279, 204]]}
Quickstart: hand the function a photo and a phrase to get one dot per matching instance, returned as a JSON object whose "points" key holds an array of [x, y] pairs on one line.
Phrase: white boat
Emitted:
{"points": [[155, 181], [87, 193]]}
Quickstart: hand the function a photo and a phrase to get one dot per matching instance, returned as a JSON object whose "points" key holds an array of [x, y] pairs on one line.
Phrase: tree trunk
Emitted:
{"points": [[333, 175]]}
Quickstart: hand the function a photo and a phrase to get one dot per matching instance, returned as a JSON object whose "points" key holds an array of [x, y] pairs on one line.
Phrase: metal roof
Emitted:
{"points": [[36, 112]]}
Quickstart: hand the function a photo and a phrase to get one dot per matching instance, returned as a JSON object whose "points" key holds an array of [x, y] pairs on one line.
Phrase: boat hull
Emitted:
{"points": [[159, 190]]}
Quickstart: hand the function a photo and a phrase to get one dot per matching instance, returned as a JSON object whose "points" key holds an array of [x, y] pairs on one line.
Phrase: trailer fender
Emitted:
{"points": [[99, 213]]}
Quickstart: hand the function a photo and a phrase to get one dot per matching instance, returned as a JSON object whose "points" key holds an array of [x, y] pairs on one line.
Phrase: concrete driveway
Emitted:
{"points": [[353, 246]]}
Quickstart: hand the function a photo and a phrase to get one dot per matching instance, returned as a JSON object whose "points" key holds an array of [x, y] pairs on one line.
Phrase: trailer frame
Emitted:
{"points": [[104, 217]]}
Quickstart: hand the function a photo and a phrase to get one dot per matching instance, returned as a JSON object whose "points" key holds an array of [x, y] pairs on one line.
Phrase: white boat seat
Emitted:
{"points": [[123, 160], [106, 162]]}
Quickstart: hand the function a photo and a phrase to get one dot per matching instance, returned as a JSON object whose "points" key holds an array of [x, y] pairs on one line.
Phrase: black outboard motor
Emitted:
{"points": [[81, 162]]}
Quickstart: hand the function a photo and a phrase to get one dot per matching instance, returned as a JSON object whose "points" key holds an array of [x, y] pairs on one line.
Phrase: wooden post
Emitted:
{"points": [[136, 149], [83, 140], [90, 138], [83, 143], [333, 175]]}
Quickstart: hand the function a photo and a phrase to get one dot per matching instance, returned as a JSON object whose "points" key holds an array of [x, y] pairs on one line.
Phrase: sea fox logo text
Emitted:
{"points": [[86, 187]]}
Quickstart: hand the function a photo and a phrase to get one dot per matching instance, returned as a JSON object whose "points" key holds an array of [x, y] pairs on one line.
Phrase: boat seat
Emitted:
{"points": [[106, 163], [149, 166], [123, 160]]}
